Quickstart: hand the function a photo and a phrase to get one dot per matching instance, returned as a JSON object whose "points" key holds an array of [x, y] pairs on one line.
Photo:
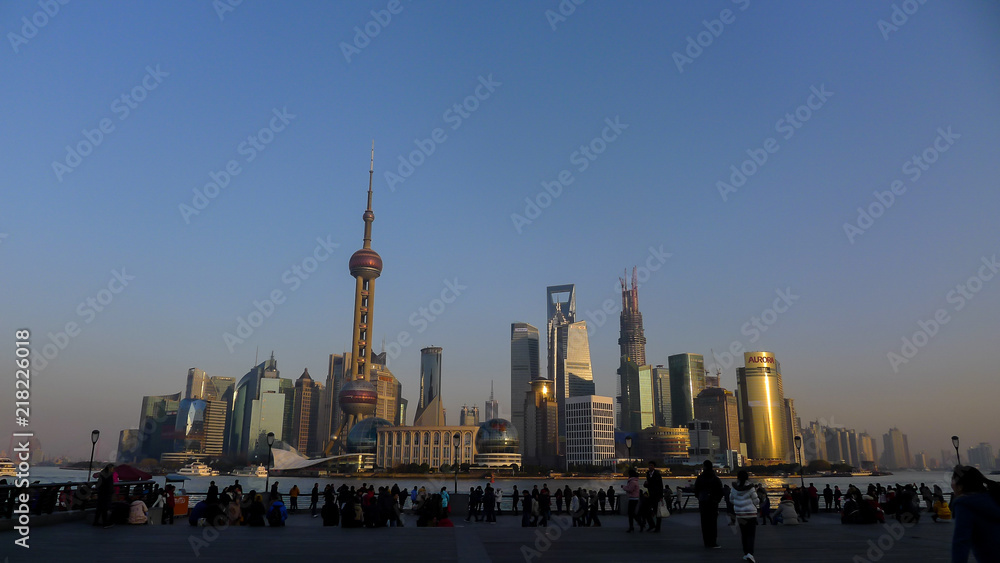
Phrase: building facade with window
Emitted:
{"points": [[433, 445]]}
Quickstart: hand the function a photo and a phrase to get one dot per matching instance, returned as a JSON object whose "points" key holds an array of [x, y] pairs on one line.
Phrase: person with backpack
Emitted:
{"points": [[277, 514], [708, 491]]}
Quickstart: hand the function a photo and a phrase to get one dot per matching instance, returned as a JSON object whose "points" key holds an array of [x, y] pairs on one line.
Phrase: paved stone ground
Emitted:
{"points": [[304, 539]]}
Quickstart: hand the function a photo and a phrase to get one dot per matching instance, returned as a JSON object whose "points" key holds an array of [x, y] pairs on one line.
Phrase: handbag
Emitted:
{"points": [[661, 509]]}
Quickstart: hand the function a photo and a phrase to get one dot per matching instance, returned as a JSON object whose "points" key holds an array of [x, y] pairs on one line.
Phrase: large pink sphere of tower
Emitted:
{"points": [[358, 398]]}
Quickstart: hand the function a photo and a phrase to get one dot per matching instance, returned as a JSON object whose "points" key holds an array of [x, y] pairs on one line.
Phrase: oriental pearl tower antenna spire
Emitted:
{"points": [[359, 395]]}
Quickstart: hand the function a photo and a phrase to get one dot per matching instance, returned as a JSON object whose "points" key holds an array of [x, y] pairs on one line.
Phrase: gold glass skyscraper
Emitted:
{"points": [[762, 409]]}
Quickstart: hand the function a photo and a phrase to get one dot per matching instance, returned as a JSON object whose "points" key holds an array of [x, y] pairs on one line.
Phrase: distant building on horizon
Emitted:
{"points": [[636, 399], [524, 369], [469, 416], [157, 419], [569, 363], [305, 415], [259, 408], [590, 431], [389, 389], [632, 338], [718, 406], [541, 435], [662, 409], [687, 379], [762, 409], [492, 407], [792, 430], [430, 410], [982, 456], [896, 454]]}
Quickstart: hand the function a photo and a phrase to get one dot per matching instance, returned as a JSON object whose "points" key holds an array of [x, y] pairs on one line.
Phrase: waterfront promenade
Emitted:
{"points": [[305, 539]]}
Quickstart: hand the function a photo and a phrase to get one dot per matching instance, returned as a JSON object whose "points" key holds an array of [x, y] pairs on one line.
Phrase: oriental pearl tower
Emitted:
{"points": [[359, 396]]}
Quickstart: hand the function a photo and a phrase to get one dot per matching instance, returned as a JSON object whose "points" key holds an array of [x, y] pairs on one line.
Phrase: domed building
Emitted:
{"points": [[363, 436], [497, 444]]}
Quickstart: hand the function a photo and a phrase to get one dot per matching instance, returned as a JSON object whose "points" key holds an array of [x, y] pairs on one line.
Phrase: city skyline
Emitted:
{"points": [[860, 250]]}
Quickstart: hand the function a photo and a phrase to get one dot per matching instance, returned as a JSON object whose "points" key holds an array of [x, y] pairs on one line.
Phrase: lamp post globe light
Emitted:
{"points": [[455, 440], [798, 446], [267, 480], [628, 446], [94, 437], [954, 442]]}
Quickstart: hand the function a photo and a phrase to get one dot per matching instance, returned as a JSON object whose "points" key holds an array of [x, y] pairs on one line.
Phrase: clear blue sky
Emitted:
{"points": [[655, 185]]}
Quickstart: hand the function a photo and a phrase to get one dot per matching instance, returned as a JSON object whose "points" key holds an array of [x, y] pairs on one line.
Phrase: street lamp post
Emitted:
{"points": [[456, 439], [270, 442], [628, 446], [94, 437], [798, 446], [954, 442]]}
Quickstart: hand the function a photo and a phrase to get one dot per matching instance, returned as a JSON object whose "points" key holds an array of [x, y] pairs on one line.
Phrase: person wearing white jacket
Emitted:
{"points": [[745, 505]]}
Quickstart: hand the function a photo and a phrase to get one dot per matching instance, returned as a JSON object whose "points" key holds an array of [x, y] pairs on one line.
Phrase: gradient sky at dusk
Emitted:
{"points": [[655, 186]]}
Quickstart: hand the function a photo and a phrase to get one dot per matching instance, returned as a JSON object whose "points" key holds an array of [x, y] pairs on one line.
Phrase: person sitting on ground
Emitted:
{"points": [[276, 515], [785, 513], [138, 512], [942, 513]]}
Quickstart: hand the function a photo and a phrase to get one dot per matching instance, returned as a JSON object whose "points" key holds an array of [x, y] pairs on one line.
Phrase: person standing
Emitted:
{"points": [[593, 520], [745, 504], [612, 500], [490, 504], [837, 495], [559, 501], [294, 495], [545, 505], [602, 498], [813, 499], [514, 499], [314, 499], [975, 509], [654, 484], [631, 489], [105, 488], [168, 505], [213, 493], [526, 506], [828, 497], [708, 491]]}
